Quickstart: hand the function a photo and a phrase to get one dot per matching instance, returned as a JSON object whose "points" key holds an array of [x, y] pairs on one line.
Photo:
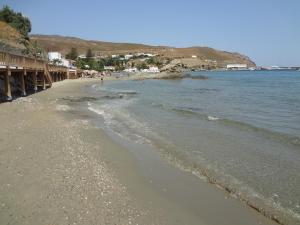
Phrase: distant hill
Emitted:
{"points": [[204, 54]]}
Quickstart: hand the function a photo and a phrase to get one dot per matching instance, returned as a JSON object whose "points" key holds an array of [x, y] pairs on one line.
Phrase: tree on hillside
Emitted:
{"points": [[89, 54], [16, 20], [154, 61], [73, 54], [142, 66]]}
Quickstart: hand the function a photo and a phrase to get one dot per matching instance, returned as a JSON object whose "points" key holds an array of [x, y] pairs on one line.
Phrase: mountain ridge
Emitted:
{"points": [[206, 55]]}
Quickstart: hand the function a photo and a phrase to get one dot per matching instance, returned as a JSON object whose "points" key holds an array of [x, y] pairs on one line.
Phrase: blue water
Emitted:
{"points": [[240, 130]]}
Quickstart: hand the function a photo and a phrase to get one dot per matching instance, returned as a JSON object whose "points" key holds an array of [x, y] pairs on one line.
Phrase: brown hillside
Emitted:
{"points": [[10, 36], [64, 44], [12, 41]]}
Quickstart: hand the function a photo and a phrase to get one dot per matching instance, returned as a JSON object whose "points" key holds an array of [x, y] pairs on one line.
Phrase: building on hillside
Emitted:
{"points": [[127, 57], [237, 67], [65, 63], [82, 56], [109, 68], [131, 70], [149, 55], [56, 58], [152, 69], [194, 56], [71, 63], [53, 56]]}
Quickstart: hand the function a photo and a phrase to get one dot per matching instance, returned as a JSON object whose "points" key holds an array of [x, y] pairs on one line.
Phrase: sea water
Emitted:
{"points": [[239, 130]]}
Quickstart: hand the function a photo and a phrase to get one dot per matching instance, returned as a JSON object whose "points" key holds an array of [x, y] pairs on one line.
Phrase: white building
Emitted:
{"points": [[152, 69], [110, 68], [149, 55], [237, 66], [57, 58], [194, 56], [131, 70], [52, 56], [82, 56], [127, 57], [66, 63]]}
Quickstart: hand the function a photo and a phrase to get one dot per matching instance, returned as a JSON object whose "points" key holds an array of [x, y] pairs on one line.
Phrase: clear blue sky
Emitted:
{"points": [[268, 31]]}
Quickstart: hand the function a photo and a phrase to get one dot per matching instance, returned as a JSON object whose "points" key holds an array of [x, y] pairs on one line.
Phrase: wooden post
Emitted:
{"points": [[44, 80], [35, 80], [23, 82], [23, 61], [7, 84]]}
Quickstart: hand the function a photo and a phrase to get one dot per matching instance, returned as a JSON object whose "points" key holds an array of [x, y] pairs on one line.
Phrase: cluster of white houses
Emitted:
{"points": [[58, 59], [151, 69]]}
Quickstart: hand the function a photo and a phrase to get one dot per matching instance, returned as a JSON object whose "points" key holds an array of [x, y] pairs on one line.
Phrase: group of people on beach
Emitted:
{"points": [[94, 74]]}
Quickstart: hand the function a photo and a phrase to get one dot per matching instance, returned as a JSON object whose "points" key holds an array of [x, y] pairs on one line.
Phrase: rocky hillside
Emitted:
{"points": [[10, 38], [204, 56], [12, 41]]}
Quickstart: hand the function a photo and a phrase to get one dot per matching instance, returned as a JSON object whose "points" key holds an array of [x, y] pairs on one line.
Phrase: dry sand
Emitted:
{"points": [[58, 170]]}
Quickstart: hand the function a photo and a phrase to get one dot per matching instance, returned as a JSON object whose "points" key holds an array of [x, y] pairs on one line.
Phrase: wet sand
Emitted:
{"points": [[57, 167]]}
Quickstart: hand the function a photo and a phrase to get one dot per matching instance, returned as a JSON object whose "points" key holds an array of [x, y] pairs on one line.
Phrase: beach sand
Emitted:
{"points": [[56, 167]]}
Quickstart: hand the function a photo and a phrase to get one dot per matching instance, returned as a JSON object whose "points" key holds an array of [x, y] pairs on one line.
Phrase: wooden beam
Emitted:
{"points": [[7, 85], [22, 81]]}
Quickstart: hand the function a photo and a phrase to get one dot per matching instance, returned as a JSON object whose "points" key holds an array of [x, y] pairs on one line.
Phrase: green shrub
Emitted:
{"points": [[16, 20]]}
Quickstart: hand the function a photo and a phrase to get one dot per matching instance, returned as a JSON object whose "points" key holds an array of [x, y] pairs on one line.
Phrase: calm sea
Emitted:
{"points": [[240, 130]]}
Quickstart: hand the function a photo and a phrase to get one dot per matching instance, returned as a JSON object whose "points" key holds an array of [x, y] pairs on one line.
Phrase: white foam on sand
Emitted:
{"points": [[63, 108]]}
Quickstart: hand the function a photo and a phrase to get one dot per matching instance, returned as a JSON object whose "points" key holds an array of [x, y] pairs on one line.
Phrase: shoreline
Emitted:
{"points": [[63, 136]]}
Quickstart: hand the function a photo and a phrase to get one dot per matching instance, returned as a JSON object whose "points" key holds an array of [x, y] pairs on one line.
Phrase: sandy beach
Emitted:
{"points": [[57, 167]]}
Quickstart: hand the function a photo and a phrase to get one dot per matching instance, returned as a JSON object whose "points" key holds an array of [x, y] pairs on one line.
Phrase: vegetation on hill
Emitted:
{"points": [[14, 34], [99, 64], [21, 23], [73, 54]]}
